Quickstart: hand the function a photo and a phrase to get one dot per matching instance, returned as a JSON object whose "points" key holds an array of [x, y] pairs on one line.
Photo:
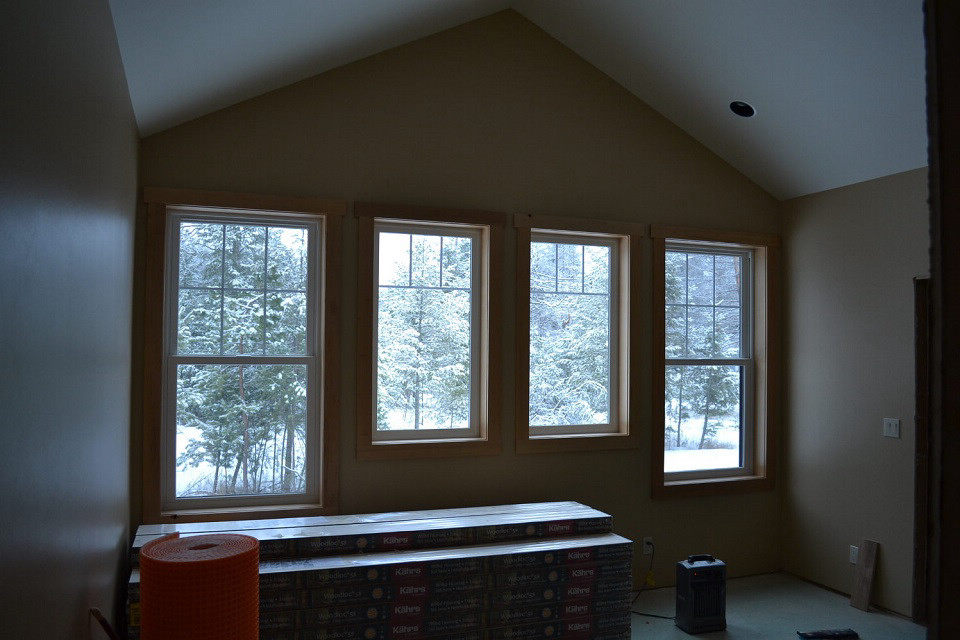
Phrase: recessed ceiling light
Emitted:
{"points": [[742, 109]]}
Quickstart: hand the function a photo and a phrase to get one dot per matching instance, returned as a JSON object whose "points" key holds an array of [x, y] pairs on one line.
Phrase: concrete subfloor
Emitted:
{"points": [[771, 607]]}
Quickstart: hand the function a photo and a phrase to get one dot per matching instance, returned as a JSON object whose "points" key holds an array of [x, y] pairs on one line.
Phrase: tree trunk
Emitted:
{"points": [[416, 402], [246, 428], [288, 458], [706, 419], [680, 408], [233, 480]]}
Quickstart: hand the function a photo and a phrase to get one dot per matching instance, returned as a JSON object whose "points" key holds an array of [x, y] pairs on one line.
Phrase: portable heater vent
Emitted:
{"points": [[701, 594]]}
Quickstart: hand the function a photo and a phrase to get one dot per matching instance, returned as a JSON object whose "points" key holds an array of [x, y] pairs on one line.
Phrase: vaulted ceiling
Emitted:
{"points": [[838, 87]]}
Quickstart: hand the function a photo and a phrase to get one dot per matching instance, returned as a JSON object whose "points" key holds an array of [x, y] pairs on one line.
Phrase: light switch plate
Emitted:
{"points": [[891, 427]]}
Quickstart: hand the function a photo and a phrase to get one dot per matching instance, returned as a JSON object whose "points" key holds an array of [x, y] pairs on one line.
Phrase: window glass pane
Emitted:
{"points": [[569, 267], [570, 340], [729, 280], [703, 417], [727, 330], [700, 335], [700, 278], [457, 262], [286, 319], [394, 267], [676, 277], [287, 259], [596, 269], [263, 266], [241, 430], [198, 321], [201, 254], [425, 265], [543, 265], [245, 256], [242, 322], [676, 331], [423, 337]]}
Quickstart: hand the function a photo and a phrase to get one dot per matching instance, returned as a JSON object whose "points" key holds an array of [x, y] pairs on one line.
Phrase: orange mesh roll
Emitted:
{"points": [[199, 588]]}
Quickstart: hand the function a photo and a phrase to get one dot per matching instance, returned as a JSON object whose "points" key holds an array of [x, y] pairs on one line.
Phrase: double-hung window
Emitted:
{"points": [[713, 388], [574, 333], [241, 372], [426, 290]]}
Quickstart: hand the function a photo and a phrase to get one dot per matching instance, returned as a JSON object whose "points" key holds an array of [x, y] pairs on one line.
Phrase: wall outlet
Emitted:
{"points": [[891, 427], [854, 554], [647, 545]]}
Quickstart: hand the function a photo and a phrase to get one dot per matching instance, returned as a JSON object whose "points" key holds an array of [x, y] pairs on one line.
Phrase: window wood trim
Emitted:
{"points": [[156, 201], [489, 442], [628, 434], [766, 348]]}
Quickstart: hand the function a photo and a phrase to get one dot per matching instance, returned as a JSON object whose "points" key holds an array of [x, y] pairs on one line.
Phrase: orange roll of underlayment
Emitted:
{"points": [[202, 587]]}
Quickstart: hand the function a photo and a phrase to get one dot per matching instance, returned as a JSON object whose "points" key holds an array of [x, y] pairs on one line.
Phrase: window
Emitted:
{"points": [[427, 381], [714, 389], [573, 367], [241, 360]]}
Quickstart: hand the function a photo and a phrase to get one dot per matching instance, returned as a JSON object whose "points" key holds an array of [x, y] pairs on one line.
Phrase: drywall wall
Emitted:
{"points": [[492, 115], [67, 202], [850, 257]]}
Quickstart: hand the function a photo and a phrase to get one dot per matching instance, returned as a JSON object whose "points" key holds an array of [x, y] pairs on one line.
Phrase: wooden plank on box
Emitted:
{"points": [[863, 578]]}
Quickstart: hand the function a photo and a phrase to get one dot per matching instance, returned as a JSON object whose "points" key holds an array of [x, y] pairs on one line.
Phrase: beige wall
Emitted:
{"points": [[850, 257], [68, 162], [497, 115]]}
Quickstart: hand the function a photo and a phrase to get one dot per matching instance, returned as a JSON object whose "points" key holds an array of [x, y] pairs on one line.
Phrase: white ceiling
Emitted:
{"points": [[838, 85]]}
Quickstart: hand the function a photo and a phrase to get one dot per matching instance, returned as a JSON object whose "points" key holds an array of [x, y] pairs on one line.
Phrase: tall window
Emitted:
{"points": [[709, 364], [241, 365], [574, 334], [716, 355], [428, 332], [576, 313], [428, 312]]}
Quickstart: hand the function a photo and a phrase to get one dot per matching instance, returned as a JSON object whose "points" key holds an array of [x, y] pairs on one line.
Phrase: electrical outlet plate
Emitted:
{"points": [[647, 545], [891, 427], [854, 554]]}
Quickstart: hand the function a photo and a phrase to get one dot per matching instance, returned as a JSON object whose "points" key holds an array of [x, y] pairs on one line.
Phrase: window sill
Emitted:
{"points": [[562, 443], [711, 486], [219, 514], [448, 448]]}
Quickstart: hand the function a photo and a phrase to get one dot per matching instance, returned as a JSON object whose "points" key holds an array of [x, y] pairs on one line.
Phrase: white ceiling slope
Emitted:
{"points": [[186, 58], [838, 85]]}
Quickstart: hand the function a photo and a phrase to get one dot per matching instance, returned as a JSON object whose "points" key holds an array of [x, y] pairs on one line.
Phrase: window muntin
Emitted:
{"points": [[574, 334], [709, 369], [427, 332], [241, 366]]}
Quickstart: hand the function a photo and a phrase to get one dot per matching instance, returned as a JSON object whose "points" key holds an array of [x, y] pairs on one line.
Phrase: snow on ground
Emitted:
{"points": [[698, 459]]}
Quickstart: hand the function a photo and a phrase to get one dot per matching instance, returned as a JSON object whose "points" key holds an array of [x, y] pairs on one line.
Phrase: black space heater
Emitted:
{"points": [[701, 594]]}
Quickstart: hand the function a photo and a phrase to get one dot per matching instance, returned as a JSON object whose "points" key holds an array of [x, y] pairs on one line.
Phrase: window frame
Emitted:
{"points": [[618, 434], [485, 439], [481, 240], [163, 209], [761, 412]]}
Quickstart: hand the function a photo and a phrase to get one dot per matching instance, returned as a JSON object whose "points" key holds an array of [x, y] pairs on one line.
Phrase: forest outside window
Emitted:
{"points": [[426, 288], [573, 336], [713, 391]]}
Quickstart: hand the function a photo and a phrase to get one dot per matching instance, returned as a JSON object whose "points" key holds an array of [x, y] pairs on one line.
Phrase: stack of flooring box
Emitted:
{"points": [[540, 570]]}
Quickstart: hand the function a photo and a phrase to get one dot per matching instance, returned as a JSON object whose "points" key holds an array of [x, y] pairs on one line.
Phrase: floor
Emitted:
{"points": [[770, 607]]}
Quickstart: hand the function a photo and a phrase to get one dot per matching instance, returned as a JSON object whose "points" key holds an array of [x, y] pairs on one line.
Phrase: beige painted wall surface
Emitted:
{"points": [[496, 115], [68, 190], [851, 254]]}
